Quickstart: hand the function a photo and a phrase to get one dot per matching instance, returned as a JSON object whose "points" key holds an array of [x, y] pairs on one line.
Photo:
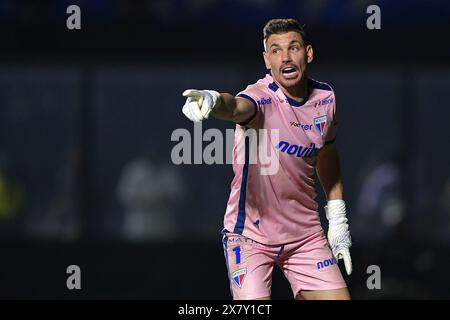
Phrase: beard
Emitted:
{"points": [[290, 81]]}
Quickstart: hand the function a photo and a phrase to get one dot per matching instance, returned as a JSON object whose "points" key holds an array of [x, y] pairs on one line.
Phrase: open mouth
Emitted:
{"points": [[289, 72]]}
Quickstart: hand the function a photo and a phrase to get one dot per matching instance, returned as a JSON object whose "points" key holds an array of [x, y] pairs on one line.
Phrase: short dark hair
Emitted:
{"points": [[278, 26]]}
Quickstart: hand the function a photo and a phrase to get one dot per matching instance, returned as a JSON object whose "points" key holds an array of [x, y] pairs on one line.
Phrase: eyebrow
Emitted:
{"points": [[292, 42]]}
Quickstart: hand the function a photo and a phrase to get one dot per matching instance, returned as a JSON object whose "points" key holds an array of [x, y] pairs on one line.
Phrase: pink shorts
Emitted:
{"points": [[307, 264]]}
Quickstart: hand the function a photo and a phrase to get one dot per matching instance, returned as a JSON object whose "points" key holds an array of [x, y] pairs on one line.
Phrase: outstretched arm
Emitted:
{"points": [[200, 104], [234, 109]]}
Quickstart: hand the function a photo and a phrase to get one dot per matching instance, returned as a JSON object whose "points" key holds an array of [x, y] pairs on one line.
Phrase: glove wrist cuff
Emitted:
{"points": [[216, 97], [335, 209]]}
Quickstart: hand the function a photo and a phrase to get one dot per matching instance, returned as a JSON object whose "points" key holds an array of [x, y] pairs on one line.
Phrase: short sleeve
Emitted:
{"points": [[260, 98], [332, 130]]}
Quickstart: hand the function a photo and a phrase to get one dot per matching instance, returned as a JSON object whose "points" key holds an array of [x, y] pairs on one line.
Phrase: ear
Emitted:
{"points": [[309, 53], [266, 60]]}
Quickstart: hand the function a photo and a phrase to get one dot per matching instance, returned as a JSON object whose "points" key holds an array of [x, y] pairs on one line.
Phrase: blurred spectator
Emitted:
{"points": [[11, 193], [149, 190], [380, 204], [61, 218]]}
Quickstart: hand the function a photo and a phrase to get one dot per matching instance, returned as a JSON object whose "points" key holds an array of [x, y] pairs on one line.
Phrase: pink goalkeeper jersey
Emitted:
{"points": [[280, 208]]}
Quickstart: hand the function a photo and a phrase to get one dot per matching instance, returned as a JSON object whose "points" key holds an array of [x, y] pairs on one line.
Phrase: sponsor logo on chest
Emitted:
{"points": [[297, 150], [305, 127]]}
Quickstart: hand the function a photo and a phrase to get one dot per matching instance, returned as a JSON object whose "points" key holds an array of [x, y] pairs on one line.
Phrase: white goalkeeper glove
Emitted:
{"points": [[200, 103], [338, 233]]}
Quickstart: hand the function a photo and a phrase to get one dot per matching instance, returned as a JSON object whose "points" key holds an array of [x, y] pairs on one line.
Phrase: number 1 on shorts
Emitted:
{"points": [[237, 250]]}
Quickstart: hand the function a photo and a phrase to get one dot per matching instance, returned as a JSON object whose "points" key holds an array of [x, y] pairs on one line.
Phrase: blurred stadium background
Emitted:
{"points": [[86, 119]]}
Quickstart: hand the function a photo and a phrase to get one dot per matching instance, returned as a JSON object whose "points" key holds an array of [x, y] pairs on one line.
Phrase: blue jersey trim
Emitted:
{"points": [[239, 227], [312, 84], [319, 85], [243, 95], [274, 87], [296, 103]]}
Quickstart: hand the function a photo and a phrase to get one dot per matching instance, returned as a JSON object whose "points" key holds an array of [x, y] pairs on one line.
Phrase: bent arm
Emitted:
{"points": [[234, 109], [329, 172]]}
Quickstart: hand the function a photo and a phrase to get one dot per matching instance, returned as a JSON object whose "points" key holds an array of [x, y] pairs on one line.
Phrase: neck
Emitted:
{"points": [[299, 92]]}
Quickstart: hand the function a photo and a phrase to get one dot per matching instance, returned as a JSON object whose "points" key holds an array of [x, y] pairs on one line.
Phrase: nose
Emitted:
{"points": [[286, 57]]}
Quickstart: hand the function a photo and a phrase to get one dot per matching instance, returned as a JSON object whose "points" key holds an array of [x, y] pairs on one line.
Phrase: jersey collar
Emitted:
{"points": [[274, 87]]}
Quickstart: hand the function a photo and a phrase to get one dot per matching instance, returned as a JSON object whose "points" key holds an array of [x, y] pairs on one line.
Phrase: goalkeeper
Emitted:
{"points": [[273, 219]]}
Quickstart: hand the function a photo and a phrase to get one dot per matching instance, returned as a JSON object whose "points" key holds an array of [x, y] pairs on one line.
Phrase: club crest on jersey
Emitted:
{"points": [[238, 276], [320, 122]]}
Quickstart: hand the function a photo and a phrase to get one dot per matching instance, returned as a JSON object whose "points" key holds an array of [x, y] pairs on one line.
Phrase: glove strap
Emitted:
{"points": [[216, 98], [335, 212]]}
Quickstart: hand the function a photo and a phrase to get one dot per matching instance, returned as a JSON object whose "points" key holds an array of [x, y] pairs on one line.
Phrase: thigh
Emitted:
{"points": [[309, 265], [336, 294], [250, 266]]}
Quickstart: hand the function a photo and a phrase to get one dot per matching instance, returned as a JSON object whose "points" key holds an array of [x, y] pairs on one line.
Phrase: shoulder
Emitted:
{"points": [[257, 87], [259, 92], [318, 85], [262, 86]]}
